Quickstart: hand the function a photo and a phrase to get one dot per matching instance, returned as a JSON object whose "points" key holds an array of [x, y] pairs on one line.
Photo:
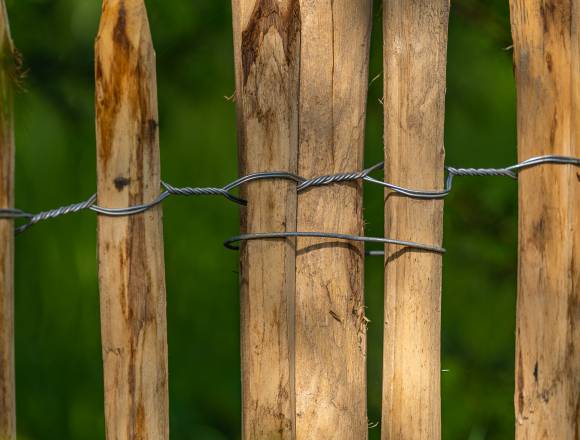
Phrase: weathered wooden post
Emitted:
{"points": [[301, 79], [547, 64], [267, 48], [7, 78], [330, 314], [415, 48], [130, 249]]}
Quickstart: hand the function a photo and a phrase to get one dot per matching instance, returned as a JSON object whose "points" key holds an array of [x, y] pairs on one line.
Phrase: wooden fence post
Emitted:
{"points": [[267, 44], [415, 49], [130, 249], [303, 364], [7, 78], [547, 64], [330, 315]]}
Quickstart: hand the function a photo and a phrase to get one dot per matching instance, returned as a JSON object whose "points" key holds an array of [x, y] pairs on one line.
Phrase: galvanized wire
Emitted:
{"points": [[230, 243], [511, 171], [7, 213], [302, 185]]}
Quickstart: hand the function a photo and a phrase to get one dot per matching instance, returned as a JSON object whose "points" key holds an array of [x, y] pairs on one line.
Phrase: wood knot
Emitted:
{"points": [[121, 182]]}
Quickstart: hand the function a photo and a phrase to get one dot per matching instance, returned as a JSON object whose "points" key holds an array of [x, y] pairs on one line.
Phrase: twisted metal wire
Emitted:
{"points": [[302, 185], [53, 213]]}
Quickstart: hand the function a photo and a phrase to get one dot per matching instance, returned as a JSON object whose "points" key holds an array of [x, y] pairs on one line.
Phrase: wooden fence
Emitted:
{"points": [[301, 81]]}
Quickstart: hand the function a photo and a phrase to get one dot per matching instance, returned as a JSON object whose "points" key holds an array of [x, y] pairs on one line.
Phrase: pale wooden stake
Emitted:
{"points": [[547, 63], [330, 323], [7, 78], [330, 315], [130, 249], [415, 49], [267, 41]]}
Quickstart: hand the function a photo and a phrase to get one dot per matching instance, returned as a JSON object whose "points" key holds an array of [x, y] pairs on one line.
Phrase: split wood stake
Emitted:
{"points": [[415, 52], [8, 73], [267, 44], [130, 249], [546, 38], [330, 314]]}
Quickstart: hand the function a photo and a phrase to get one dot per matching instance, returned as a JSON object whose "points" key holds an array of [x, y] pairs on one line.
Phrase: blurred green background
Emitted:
{"points": [[59, 372]]}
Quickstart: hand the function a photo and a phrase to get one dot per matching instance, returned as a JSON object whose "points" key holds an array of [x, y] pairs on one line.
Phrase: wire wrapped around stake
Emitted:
{"points": [[302, 185], [230, 243], [6, 213]]}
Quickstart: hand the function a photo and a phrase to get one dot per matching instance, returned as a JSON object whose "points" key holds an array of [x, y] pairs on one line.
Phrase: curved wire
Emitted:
{"points": [[548, 159], [230, 242], [302, 185], [8, 213]]}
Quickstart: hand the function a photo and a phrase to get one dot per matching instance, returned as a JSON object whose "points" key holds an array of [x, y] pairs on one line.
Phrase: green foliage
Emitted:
{"points": [[57, 310]]}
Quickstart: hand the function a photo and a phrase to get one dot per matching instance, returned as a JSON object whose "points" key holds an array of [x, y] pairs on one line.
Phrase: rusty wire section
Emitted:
{"points": [[302, 185]]}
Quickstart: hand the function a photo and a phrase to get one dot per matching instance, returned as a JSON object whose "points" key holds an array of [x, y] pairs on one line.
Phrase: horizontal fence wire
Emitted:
{"points": [[302, 185]]}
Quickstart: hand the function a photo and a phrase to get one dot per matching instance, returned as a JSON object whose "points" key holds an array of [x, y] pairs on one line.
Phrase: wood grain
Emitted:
{"points": [[130, 249], [547, 64], [415, 48], [7, 78], [267, 43], [330, 314], [302, 64]]}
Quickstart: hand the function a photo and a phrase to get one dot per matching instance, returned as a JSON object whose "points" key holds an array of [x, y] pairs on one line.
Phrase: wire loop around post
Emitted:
{"points": [[230, 243], [6, 213]]}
